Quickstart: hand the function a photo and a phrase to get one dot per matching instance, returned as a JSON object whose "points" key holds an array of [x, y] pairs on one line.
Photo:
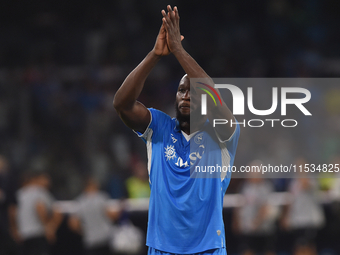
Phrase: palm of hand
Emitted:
{"points": [[161, 46], [169, 36]]}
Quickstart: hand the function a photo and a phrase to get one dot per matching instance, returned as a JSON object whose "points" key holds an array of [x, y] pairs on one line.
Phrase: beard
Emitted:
{"points": [[181, 117], [194, 115], [194, 119]]}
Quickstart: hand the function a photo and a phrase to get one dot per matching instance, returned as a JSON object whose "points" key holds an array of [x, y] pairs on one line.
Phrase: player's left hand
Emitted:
{"points": [[171, 24]]}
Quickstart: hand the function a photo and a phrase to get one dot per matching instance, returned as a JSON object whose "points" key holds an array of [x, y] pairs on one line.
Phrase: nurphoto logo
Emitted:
{"points": [[238, 99]]}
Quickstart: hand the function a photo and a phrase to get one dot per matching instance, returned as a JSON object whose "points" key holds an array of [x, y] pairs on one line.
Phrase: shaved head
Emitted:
{"points": [[183, 89], [184, 78]]}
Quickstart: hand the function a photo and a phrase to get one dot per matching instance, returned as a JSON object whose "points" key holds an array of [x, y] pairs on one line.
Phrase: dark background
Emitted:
{"points": [[62, 61]]}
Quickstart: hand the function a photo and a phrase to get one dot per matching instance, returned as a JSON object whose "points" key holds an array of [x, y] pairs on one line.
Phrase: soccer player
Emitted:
{"points": [[185, 213]]}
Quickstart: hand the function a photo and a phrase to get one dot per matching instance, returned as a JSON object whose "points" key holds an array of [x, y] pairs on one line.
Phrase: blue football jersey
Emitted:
{"points": [[185, 210]]}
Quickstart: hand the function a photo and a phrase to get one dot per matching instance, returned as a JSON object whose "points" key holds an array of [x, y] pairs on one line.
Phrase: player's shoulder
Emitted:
{"points": [[155, 113], [161, 119]]}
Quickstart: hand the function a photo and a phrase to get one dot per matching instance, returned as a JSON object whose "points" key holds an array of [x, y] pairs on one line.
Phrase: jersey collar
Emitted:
{"points": [[178, 128]]}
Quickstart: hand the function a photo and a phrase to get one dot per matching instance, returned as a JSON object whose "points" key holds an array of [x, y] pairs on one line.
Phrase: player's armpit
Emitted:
{"points": [[137, 117], [225, 131], [134, 114], [215, 109]]}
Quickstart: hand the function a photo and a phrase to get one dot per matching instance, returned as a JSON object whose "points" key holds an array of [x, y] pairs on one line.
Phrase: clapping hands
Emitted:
{"points": [[169, 37]]}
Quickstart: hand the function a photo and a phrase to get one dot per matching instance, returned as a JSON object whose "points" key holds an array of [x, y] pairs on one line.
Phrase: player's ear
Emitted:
{"points": [[182, 37]]}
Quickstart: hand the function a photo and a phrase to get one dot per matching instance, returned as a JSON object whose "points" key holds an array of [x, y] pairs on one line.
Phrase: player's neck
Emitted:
{"points": [[185, 127]]}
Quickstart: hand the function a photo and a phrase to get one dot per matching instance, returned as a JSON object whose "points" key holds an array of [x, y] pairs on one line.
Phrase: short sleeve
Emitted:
{"points": [[234, 135], [233, 140], [158, 119]]}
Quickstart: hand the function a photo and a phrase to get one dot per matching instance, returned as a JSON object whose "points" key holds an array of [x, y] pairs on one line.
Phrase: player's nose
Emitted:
{"points": [[186, 95]]}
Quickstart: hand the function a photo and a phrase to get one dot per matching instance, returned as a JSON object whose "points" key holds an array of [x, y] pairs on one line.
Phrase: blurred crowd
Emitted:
{"points": [[305, 223], [61, 63], [302, 221]]}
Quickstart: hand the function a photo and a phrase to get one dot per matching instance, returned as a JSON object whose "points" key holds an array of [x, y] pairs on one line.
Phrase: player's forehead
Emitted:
{"points": [[184, 82]]}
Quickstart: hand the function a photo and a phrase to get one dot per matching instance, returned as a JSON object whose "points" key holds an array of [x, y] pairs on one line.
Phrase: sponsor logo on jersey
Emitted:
{"points": [[174, 140], [170, 152]]}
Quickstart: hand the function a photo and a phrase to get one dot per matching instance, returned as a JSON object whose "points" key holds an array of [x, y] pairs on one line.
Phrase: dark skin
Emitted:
{"points": [[137, 117]]}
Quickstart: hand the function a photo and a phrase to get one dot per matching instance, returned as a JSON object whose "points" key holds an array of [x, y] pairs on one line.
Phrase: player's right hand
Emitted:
{"points": [[171, 25], [161, 47]]}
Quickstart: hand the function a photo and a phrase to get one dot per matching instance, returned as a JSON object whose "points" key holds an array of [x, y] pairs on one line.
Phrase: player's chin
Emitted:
{"points": [[195, 114], [184, 110]]}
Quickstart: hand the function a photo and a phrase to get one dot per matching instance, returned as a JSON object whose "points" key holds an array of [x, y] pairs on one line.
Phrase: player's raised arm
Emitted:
{"points": [[134, 114], [194, 70]]}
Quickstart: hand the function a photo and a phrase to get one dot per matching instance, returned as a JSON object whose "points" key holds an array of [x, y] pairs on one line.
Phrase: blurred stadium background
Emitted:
{"points": [[62, 61]]}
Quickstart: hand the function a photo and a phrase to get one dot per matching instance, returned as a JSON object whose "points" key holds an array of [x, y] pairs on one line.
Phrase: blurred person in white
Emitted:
{"points": [[304, 215], [254, 222], [36, 219], [93, 218]]}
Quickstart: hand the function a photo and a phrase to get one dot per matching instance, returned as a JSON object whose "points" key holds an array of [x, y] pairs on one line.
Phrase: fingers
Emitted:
{"points": [[173, 17], [176, 15], [162, 29], [176, 12], [172, 13], [165, 24], [166, 20]]}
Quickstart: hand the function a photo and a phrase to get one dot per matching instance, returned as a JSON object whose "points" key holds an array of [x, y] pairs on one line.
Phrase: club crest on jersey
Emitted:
{"points": [[174, 140], [170, 152], [198, 138]]}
